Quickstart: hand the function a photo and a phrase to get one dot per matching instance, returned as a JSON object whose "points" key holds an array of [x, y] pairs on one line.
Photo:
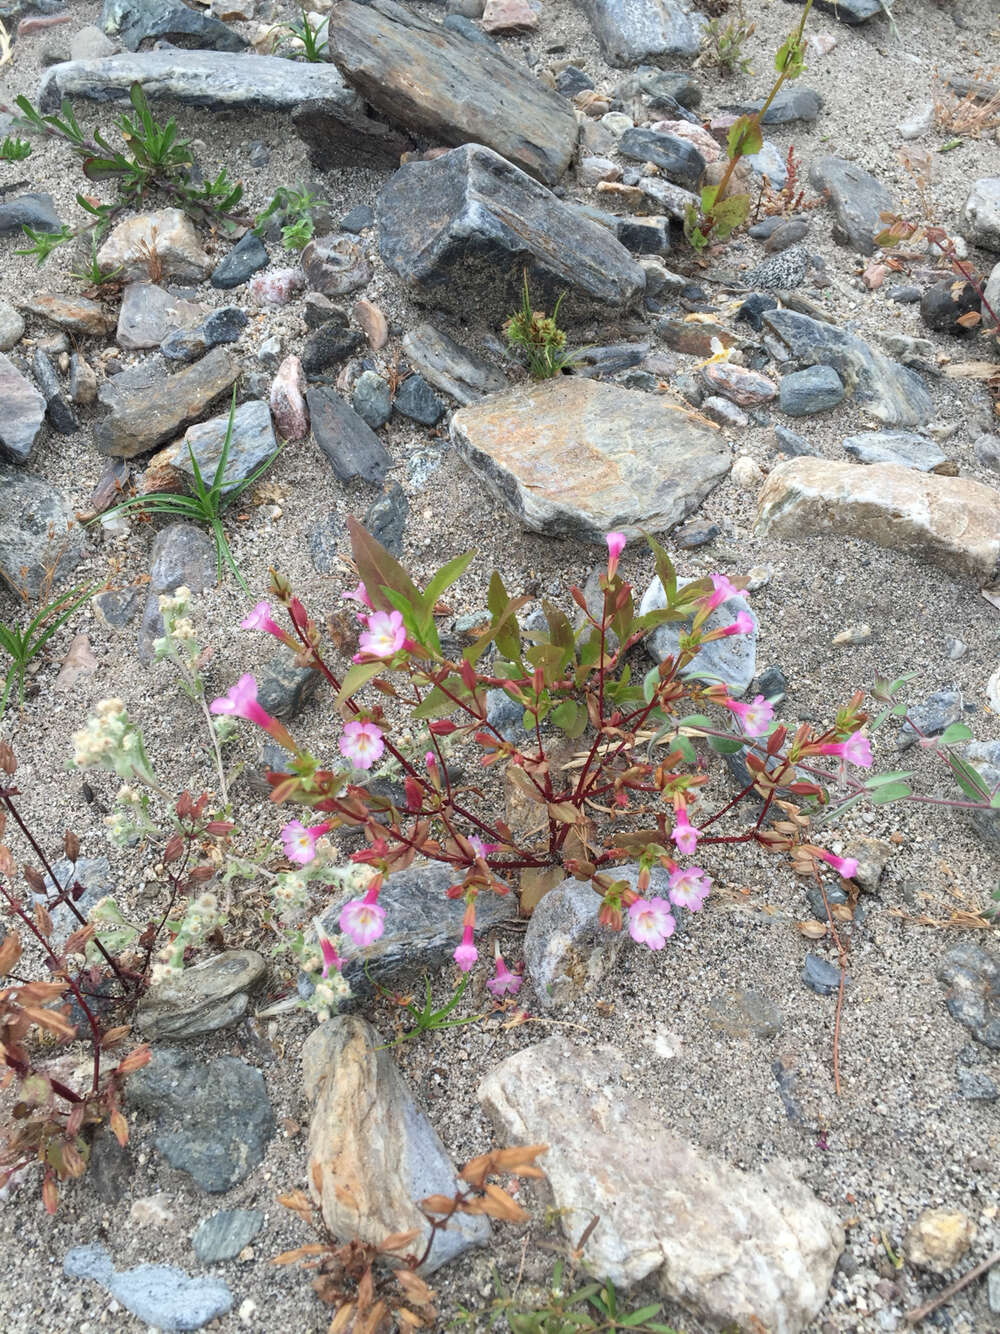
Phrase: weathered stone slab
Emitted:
{"points": [[427, 78], [857, 198], [136, 21], [632, 31], [37, 530], [210, 995], [949, 522], [577, 458], [143, 418], [463, 229], [22, 415], [737, 1249], [449, 367], [353, 448], [902, 447]]}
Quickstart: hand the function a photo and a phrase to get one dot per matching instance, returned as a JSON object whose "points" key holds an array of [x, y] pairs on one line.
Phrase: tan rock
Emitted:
{"points": [[154, 245], [373, 322], [143, 418], [78, 664], [372, 1151], [950, 522], [509, 16], [206, 997], [938, 1239], [76, 314]]}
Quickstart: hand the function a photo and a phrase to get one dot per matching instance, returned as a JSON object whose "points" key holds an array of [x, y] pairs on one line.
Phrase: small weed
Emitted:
{"points": [[723, 43], [313, 45], [22, 645], [427, 1019], [538, 337], [294, 210], [974, 112], [14, 149], [91, 274]]}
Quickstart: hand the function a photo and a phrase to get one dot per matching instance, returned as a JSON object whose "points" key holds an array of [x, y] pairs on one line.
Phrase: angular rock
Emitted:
{"points": [[327, 346], [791, 103], [678, 159], [455, 370], [11, 327], [944, 304], [849, 11], [820, 975], [857, 199], [463, 229], [732, 659], [37, 531], [77, 315], [742, 386], [732, 1247], [881, 387], [663, 87], [34, 210], [136, 21], [143, 418], [909, 451], [946, 521], [417, 400], [371, 399], [224, 325], [246, 257], [574, 457], [213, 1118], [372, 1152], [287, 400], [207, 996], [335, 266], [816, 389], [182, 554], [277, 286], [224, 1234], [149, 313], [352, 447], [161, 1295], [509, 16], [972, 976], [284, 689], [981, 214], [930, 717], [23, 414], [632, 31], [428, 79], [938, 1239], [168, 234], [89, 878], [386, 519], [89, 43], [567, 952]]}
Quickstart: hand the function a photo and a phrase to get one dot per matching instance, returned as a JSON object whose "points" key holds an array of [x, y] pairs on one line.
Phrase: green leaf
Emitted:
{"points": [[955, 732], [744, 137], [570, 717], [649, 683], [436, 703], [445, 577], [789, 59], [729, 213], [638, 1317], [724, 746], [378, 570], [970, 780], [560, 630], [890, 792], [897, 775], [357, 676], [708, 197]]}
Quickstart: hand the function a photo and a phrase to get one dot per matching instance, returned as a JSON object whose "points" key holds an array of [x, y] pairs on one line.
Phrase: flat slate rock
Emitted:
{"points": [[430, 80], [632, 31], [136, 21], [857, 198], [463, 228], [223, 1235], [677, 158], [23, 413], [207, 996], [881, 387], [575, 457], [145, 417], [350, 444], [454, 370], [251, 443], [149, 313], [162, 1295], [949, 522], [32, 210], [911, 451], [37, 529]]}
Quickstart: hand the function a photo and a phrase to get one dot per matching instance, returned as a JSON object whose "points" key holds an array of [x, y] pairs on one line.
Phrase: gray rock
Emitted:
{"points": [[677, 158], [788, 233], [732, 659], [213, 1118], [816, 389], [37, 531], [993, 1290], [251, 442], [162, 1295], [143, 418], [944, 304], [723, 412], [849, 11], [11, 327], [930, 717], [90, 878], [148, 314], [117, 607], [110, 1169], [769, 162], [571, 80], [912, 451], [791, 103], [972, 976], [422, 927], [386, 519], [694, 533], [455, 370], [34, 210], [987, 450], [325, 538], [463, 229], [663, 87], [790, 444], [857, 199], [917, 352], [372, 1151], [246, 257], [352, 447], [417, 400], [727, 1245], [208, 996], [820, 975], [464, 27], [981, 214], [505, 714], [405, 66], [283, 689], [881, 387], [224, 325], [334, 266], [371, 399], [976, 1086], [644, 236], [786, 270], [632, 31], [134, 21], [182, 554], [576, 457], [328, 346], [746, 1014], [224, 1234], [355, 220], [904, 294], [89, 43], [23, 413]]}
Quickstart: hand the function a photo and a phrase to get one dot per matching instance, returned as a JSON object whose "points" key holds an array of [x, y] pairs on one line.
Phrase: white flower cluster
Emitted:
{"points": [[129, 820], [291, 895], [201, 916], [111, 741], [179, 632], [327, 996]]}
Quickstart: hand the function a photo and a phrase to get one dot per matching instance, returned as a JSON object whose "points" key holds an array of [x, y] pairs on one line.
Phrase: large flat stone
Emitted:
{"points": [[372, 1152], [143, 418], [463, 229], [738, 1249], [858, 199], [22, 415], [430, 79], [37, 531], [578, 458], [655, 31], [949, 522], [881, 387], [447, 366]]}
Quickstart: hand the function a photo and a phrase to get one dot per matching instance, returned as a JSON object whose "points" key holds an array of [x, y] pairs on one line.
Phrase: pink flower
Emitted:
{"points": [[480, 848], [466, 954], [361, 743], [743, 625], [384, 636], [855, 750], [299, 842], [722, 590], [240, 700], [505, 982], [845, 866], [685, 835], [753, 717], [650, 922], [359, 594], [362, 919], [689, 888], [260, 619], [331, 959], [616, 545]]}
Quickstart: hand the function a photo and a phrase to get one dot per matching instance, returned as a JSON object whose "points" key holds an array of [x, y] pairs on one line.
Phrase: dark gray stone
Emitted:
{"points": [[464, 228], [37, 531], [386, 518], [117, 607], [632, 31], [695, 533], [417, 400], [318, 310], [161, 1295], [223, 1235], [23, 414], [145, 417], [834, 895], [930, 717], [357, 219], [328, 346], [644, 236], [816, 389], [790, 444], [464, 27], [505, 714], [428, 79], [135, 21], [972, 975], [455, 370], [820, 975], [222, 326], [572, 80], [246, 257], [371, 399], [857, 199], [911, 451], [881, 387], [752, 310], [789, 233], [772, 684], [109, 1168], [213, 1118], [663, 87], [942, 305], [325, 538], [283, 689], [89, 880], [677, 158], [905, 294], [35, 210], [182, 554], [352, 447], [791, 103]]}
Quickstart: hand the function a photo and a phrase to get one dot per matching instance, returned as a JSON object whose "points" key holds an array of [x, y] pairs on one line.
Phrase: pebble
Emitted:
{"points": [[509, 17], [987, 450], [327, 346], [788, 234], [905, 294], [284, 690], [981, 214], [944, 304], [222, 1235], [938, 1239], [373, 322], [816, 389], [82, 380], [161, 1295], [853, 634], [165, 238], [742, 386], [972, 976], [357, 219], [917, 125], [11, 326], [287, 400], [335, 266], [386, 519], [789, 443], [243, 261], [371, 398], [931, 716], [224, 325], [417, 400], [349, 443], [820, 975], [277, 286]]}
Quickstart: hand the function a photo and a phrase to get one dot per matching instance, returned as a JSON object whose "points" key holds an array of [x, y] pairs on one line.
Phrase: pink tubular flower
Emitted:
{"points": [[685, 835], [754, 717], [384, 636], [743, 625], [845, 866], [466, 954], [299, 843], [361, 743], [260, 619], [479, 847], [650, 922], [362, 919], [359, 594], [240, 701], [855, 750], [331, 959], [722, 590], [689, 888], [504, 982], [616, 545]]}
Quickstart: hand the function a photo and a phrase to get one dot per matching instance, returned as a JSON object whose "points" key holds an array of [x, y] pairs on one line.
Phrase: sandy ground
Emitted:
{"points": [[899, 1139]]}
